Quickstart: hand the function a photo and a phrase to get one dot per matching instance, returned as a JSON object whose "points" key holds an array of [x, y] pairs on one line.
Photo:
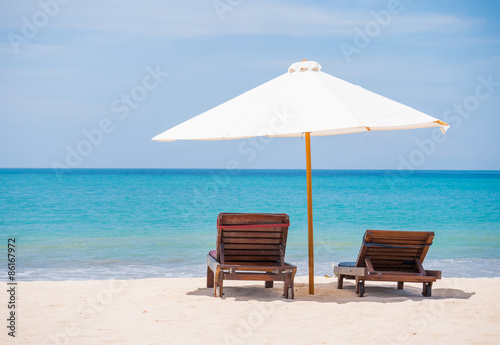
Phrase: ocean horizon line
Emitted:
{"points": [[255, 169]]}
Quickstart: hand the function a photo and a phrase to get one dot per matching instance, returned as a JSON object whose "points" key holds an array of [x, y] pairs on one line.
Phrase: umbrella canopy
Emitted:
{"points": [[302, 102], [314, 101]]}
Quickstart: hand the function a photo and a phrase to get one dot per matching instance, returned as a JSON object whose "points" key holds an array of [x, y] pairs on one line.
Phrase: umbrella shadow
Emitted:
{"points": [[388, 293], [254, 292], [328, 293]]}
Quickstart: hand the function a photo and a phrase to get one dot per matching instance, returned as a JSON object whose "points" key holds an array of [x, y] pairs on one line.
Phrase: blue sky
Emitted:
{"points": [[87, 84]]}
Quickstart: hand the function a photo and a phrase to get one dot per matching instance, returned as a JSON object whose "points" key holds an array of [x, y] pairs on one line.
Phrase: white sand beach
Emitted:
{"points": [[183, 311]]}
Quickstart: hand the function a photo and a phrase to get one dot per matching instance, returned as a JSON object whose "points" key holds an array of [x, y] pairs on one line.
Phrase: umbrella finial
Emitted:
{"points": [[304, 66]]}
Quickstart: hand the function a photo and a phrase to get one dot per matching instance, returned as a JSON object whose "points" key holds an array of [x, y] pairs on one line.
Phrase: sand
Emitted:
{"points": [[183, 311]]}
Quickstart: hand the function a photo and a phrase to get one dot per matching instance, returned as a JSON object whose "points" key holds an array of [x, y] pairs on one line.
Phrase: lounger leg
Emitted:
{"points": [[360, 287], [210, 278], [400, 285], [427, 290], [340, 281], [269, 284], [288, 287], [218, 288]]}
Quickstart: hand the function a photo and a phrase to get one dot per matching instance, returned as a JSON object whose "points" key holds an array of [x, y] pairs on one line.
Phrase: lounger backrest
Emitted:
{"points": [[252, 238], [394, 250]]}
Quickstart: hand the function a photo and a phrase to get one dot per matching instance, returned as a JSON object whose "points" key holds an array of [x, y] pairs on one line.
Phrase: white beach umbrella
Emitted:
{"points": [[303, 102]]}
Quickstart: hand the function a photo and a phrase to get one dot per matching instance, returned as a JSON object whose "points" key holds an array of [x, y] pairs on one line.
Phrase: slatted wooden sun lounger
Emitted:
{"points": [[394, 256], [250, 246]]}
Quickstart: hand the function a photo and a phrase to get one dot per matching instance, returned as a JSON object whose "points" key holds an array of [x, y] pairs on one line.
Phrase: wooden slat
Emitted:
{"points": [[231, 246], [390, 256], [252, 218], [393, 251], [401, 257], [379, 266], [396, 233], [252, 240], [408, 239], [248, 234], [389, 273], [393, 262], [254, 276], [399, 269], [246, 252], [398, 242], [251, 258], [271, 229], [400, 266], [260, 266]]}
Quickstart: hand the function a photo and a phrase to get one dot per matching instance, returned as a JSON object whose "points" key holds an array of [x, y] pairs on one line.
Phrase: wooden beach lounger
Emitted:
{"points": [[250, 246], [394, 256]]}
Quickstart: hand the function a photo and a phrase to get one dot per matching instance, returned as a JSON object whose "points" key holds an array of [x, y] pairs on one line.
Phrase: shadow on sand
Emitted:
{"points": [[328, 293]]}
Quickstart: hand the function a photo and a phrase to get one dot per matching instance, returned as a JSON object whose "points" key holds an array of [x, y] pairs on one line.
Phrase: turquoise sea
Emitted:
{"points": [[103, 224]]}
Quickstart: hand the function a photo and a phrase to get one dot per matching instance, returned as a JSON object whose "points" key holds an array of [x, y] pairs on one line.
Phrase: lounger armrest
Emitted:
{"points": [[250, 267], [212, 263], [350, 271], [290, 268], [431, 273]]}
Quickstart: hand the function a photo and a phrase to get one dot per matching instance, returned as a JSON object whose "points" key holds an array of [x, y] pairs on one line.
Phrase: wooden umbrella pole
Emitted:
{"points": [[310, 214]]}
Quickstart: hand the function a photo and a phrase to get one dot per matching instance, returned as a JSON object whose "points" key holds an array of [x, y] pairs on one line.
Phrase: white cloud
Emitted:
{"points": [[432, 23], [197, 17], [31, 50]]}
